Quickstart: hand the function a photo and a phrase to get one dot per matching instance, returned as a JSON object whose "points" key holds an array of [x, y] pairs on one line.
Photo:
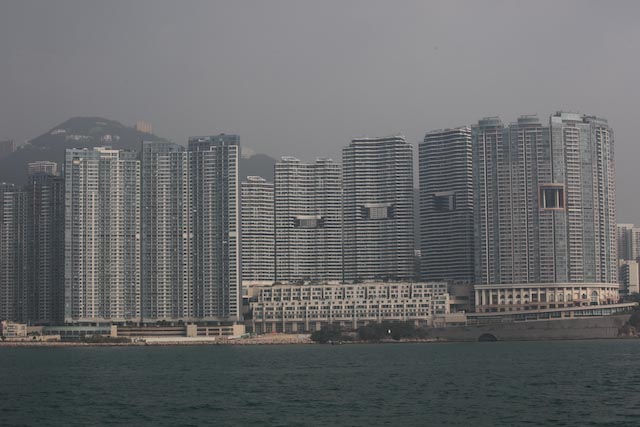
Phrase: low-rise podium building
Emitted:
{"points": [[307, 308]]}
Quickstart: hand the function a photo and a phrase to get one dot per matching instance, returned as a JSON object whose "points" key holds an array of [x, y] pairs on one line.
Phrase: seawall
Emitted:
{"points": [[561, 329]]}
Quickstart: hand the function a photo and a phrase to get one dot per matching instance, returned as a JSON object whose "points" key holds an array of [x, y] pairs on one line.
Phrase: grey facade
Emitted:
{"points": [[378, 204], [190, 230], [628, 242], [102, 235], [258, 233], [214, 199], [446, 206], [308, 220], [166, 237], [545, 201], [45, 246]]}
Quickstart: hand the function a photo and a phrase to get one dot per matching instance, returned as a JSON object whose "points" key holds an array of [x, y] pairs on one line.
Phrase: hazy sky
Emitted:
{"points": [[302, 78]]}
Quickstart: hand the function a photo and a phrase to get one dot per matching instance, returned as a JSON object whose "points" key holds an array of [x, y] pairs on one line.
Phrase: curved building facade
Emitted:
{"points": [[446, 205], [378, 209]]}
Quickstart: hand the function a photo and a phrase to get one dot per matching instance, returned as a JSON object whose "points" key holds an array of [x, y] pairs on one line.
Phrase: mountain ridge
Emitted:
{"points": [[93, 131]]}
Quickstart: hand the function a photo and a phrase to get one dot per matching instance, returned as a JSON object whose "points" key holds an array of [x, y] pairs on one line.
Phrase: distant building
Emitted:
{"points": [[446, 206], [13, 254], [144, 127], [378, 209], [258, 234], [628, 242], [629, 275], [531, 297], [13, 330], [102, 235], [43, 166], [45, 246], [307, 308], [7, 147], [308, 220]]}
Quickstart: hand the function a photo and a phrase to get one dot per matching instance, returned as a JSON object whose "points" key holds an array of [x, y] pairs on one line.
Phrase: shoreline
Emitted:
{"points": [[67, 344]]}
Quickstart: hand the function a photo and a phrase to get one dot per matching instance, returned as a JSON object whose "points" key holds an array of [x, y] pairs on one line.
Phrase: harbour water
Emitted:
{"points": [[502, 383]]}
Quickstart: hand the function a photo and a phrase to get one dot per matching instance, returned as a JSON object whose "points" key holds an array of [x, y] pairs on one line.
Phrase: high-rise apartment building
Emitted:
{"points": [[308, 220], [45, 246], [378, 209], [166, 235], [142, 126], [629, 276], [43, 166], [102, 235], [628, 242], [446, 206], [583, 160], [190, 230], [13, 254], [258, 234], [214, 199], [545, 201]]}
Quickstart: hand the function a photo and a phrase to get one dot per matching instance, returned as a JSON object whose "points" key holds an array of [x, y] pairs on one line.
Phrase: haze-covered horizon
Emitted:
{"points": [[304, 78]]}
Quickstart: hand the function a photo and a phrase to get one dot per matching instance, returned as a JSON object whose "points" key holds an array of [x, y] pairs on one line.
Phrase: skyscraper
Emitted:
{"points": [[446, 206], [13, 254], [583, 161], [45, 245], [166, 235], [545, 201], [190, 230], [258, 234], [308, 220], [509, 165], [215, 225], [102, 235], [378, 209]]}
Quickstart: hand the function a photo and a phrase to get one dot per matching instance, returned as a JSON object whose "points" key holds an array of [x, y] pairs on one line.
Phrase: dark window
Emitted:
{"points": [[444, 201], [308, 222], [552, 197]]}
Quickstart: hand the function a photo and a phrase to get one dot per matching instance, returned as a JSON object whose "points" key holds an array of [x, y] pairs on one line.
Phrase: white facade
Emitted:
{"points": [[543, 296], [13, 291], [306, 308], [102, 235], [43, 166], [308, 220], [258, 233], [378, 209], [629, 275]]}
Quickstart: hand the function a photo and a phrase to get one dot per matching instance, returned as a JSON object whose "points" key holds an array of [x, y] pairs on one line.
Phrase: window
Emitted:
{"points": [[377, 211], [552, 196], [445, 201], [308, 221]]}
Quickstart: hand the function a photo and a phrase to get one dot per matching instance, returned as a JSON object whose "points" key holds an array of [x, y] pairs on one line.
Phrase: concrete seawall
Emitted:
{"points": [[561, 329]]}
